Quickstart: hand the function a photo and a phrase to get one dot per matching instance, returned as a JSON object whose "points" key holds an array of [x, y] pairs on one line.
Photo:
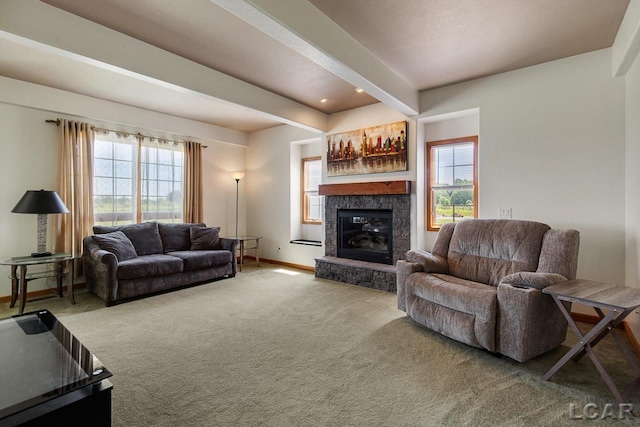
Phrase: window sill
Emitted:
{"points": [[306, 242]]}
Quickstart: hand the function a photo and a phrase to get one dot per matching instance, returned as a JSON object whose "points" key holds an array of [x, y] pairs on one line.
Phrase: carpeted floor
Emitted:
{"points": [[278, 347]]}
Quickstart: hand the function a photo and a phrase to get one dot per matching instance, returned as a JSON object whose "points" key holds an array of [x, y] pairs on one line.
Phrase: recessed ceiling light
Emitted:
{"points": [[359, 90], [323, 100]]}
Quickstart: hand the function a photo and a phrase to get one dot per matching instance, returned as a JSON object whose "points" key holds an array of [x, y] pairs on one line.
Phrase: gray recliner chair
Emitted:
{"points": [[482, 284]]}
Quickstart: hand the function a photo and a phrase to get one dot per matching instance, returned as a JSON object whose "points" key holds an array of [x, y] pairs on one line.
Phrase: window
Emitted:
{"points": [[452, 181], [311, 201], [136, 179]]}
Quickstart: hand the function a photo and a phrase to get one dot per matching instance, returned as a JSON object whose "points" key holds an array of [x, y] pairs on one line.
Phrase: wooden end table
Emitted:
{"points": [[19, 281], [620, 301]]}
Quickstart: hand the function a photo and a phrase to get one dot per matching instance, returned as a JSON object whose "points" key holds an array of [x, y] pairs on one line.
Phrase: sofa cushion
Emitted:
{"points": [[486, 250], [117, 243], [176, 237], [196, 260], [205, 238], [144, 236], [149, 266]]}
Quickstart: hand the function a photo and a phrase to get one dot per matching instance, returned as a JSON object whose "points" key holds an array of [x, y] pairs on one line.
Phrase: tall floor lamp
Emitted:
{"points": [[237, 176], [42, 203]]}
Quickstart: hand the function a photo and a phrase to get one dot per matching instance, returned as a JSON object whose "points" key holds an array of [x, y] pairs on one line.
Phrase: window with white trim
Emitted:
{"points": [[136, 179], [452, 181]]}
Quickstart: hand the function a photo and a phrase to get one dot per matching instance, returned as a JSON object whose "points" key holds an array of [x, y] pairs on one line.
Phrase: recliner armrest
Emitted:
{"points": [[430, 263], [528, 279]]}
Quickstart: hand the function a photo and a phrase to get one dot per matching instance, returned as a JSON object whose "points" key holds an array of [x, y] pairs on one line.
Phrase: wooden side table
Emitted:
{"points": [[19, 281], [243, 247], [620, 301]]}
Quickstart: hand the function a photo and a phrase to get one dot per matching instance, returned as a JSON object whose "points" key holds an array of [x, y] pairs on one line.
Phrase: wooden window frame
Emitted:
{"points": [[430, 176], [303, 179]]}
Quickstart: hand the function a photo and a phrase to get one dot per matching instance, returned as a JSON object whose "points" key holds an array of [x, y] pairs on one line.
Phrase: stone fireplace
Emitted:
{"points": [[368, 209]]}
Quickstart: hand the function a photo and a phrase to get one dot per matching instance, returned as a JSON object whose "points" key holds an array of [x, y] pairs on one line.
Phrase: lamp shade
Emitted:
{"points": [[40, 202], [237, 175]]}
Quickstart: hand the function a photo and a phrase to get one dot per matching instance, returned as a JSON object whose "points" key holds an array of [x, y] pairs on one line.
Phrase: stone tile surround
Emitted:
{"points": [[368, 274]]}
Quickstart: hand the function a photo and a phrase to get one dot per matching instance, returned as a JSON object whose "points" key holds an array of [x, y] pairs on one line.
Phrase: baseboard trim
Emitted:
{"points": [[286, 264], [41, 293], [591, 319]]}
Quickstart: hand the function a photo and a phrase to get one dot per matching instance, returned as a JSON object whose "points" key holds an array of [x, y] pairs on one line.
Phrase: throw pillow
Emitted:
{"points": [[205, 238], [116, 243], [176, 237], [144, 236]]}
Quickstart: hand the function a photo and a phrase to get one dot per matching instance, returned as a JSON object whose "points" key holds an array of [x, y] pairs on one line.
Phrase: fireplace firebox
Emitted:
{"points": [[366, 235]]}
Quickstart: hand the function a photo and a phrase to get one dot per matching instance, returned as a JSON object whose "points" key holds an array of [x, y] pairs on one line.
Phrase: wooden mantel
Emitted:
{"points": [[365, 188]]}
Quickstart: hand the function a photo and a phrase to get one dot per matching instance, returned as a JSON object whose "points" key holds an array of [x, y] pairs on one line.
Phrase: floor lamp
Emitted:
{"points": [[237, 176]]}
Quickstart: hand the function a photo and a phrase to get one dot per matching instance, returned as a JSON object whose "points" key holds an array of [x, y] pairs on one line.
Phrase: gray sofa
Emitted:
{"points": [[124, 262], [481, 284]]}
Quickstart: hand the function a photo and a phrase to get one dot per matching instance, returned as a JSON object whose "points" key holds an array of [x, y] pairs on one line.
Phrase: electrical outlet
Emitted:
{"points": [[504, 213]]}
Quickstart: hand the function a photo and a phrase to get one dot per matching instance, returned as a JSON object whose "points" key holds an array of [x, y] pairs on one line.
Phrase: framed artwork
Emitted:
{"points": [[377, 149]]}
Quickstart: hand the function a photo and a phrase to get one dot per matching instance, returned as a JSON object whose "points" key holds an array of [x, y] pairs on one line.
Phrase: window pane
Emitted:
{"points": [[123, 169], [463, 175], [463, 154], [315, 212], [452, 206], [123, 187], [164, 172], [122, 152], [314, 174], [444, 175], [102, 186], [102, 149]]}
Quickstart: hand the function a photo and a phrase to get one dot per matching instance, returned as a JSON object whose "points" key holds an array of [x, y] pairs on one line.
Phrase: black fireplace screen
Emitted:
{"points": [[365, 235]]}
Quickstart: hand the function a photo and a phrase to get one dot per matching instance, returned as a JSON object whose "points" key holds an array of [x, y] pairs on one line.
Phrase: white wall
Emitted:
{"points": [[29, 147], [632, 127], [268, 194], [551, 147]]}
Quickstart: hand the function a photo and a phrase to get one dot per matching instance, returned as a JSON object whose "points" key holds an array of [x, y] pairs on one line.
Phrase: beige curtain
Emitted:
{"points": [[193, 199], [75, 186]]}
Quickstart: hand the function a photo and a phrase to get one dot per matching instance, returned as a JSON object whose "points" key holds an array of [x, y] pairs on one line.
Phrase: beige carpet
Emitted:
{"points": [[273, 349]]}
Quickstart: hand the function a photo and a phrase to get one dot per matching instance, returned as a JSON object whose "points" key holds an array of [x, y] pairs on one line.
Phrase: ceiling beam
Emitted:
{"points": [[301, 26], [54, 30], [626, 47]]}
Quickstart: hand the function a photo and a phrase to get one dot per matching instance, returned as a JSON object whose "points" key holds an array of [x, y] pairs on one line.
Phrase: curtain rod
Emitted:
{"points": [[57, 122]]}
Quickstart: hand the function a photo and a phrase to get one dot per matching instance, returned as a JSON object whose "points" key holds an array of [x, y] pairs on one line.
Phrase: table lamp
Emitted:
{"points": [[42, 203]]}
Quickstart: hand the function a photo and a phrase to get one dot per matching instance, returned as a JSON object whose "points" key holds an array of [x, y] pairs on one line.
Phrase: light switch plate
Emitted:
{"points": [[504, 213]]}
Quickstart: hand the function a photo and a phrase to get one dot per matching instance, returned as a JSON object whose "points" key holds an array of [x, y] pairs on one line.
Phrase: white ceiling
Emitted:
{"points": [[254, 64]]}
